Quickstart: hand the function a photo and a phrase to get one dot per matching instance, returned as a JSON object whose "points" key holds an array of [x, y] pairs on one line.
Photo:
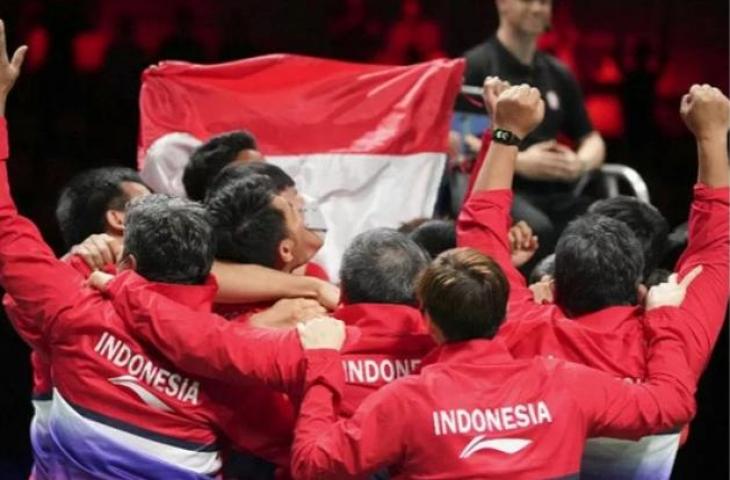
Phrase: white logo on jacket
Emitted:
{"points": [[504, 445], [141, 369]]}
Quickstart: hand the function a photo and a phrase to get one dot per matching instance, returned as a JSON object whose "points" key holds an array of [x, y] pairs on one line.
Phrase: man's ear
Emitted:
{"points": [[115, 221], [286, 251], [641, 292], [127, 262]]}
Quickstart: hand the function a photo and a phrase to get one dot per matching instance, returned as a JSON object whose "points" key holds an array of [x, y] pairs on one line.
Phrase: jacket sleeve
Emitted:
{"points": [[705, 304], [615, 408], [41, 286], [484, 224], [326, 447], [208, 345]]}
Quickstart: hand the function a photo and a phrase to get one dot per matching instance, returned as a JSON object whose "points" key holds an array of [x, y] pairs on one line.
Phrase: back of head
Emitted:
{"points": [[381, 266], [546, 266], [212, 157], [598, 264], [84, 201], [435, 236], [278, 177], [647, 223], [170, 238], [247, 226], [464, 293]]}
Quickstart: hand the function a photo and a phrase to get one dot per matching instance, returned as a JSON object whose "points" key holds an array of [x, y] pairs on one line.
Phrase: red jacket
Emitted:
{"points": [[385, 342], [393, 340], [611, 339], [475, 412], [119, 407]]}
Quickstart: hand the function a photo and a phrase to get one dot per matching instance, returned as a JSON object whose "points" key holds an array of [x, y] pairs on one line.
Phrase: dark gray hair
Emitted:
{"points": [[381, 266], [170, 238]]}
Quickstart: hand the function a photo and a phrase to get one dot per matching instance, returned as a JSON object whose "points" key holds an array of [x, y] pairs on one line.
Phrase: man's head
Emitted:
{"points": [[284, 185], [525, 17], [254, 224], [435, 236], [598, 264], [213, 156], [168, 240], [94, 202], [464, 295], [649, 226], [381, 266]]}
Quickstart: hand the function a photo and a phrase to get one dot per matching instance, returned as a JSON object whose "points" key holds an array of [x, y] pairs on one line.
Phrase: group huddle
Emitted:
{"points": [[194, 338]]}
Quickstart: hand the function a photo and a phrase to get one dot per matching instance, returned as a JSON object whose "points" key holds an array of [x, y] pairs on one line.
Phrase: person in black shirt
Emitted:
{"points": [[546, 169]]}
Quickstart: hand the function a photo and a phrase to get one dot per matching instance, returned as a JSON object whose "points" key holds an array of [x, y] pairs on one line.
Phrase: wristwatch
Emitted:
{"points": [[506, 137]]}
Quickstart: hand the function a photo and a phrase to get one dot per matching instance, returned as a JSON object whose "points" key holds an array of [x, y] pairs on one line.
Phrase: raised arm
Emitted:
{"points": [[41, 286], [485, 218], [706, 111], [206, 344], [614, 408]]}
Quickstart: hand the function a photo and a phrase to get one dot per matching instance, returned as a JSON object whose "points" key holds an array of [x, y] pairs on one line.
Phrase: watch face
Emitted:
{"points": [[502, 135]]}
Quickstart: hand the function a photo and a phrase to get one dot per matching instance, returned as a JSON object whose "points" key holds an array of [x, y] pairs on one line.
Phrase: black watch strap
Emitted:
{"points": [[506, 137]]}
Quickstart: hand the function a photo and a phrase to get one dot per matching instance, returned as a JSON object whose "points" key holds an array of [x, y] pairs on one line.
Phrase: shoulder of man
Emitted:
{"points": [[557, 66]]}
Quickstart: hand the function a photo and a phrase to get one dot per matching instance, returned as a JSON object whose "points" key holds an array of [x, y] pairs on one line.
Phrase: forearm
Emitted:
{"points": [[592, 151], [238, 283], [313, 455], [498, 168], [208, 345], [713, 161], [41, 285], [666, 399]]}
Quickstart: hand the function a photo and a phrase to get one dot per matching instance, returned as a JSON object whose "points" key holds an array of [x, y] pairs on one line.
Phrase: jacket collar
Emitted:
{"points": [[472, 352], [607, 319], [383, 318]]}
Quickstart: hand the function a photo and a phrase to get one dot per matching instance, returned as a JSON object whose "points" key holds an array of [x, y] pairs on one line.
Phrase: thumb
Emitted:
{"points": [[690, 277], [19, 56]]}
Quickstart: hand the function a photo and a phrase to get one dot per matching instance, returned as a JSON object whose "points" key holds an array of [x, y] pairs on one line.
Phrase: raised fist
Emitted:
{"points": [[493, 87], [706, 112], [519, 109]]}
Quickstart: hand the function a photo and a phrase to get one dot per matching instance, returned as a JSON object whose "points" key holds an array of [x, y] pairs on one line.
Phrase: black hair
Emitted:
{"points": [[84, 201], [170, 238], [598, 264], [435, 236], [248, 227], [211, 157], [546, 266], [381, 266], [279, 178], [647, 223]]}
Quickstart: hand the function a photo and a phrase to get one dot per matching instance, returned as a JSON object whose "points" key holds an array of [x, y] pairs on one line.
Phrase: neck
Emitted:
{"points": [[519, 44]]}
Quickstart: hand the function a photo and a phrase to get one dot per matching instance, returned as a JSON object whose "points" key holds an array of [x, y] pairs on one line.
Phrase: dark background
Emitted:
{"points": [[75, 107]]}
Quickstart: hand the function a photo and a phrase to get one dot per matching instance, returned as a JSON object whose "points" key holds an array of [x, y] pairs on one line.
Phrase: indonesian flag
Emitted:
{"points": [[368, 142]]}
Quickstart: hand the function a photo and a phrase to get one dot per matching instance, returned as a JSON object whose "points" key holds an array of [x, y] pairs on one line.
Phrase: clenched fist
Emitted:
{"points": [[519, 109], [706, 112]]}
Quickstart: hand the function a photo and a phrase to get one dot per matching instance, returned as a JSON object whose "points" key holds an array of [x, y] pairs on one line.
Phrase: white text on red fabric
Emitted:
{"points": [[171, 384], [368, 371], [500, 419]]}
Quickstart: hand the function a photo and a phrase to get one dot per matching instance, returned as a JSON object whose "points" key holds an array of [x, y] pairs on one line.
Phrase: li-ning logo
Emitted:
{"points": [[504, 445]]}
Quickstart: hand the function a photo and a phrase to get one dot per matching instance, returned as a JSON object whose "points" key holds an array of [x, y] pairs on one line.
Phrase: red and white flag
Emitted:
{"points": [[368, 142]]}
